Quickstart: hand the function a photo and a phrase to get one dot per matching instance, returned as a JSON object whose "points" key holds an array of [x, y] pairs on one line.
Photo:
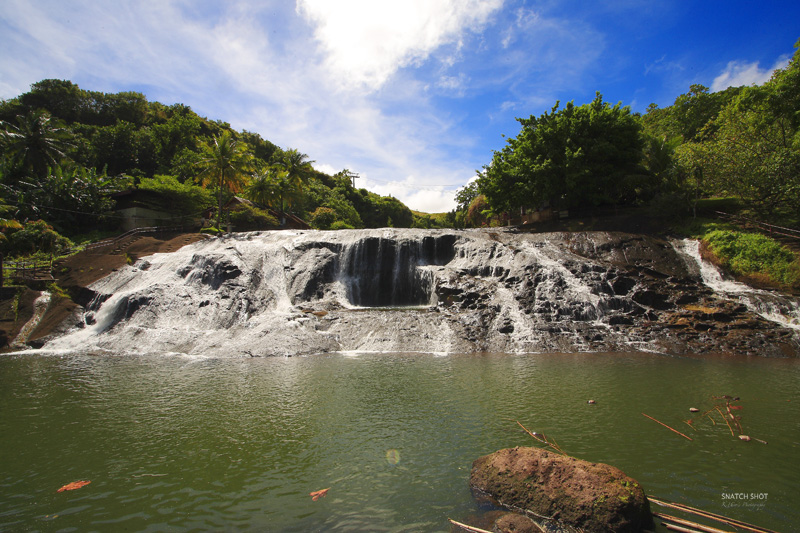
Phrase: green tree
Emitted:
{"points": [[34, 144], [297, 166], [579, 156], [224, 167], [323, 218], [754, 150], [262, 188], [184, 199]]}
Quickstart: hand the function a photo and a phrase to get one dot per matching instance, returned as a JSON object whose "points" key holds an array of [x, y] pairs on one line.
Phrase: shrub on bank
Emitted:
{"points": [[754, 256]]}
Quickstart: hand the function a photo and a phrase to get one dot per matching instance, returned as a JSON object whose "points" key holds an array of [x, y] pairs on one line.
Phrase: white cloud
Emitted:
{"points": [[366, 41], [738, 73], [261, 67], [416, 194]]}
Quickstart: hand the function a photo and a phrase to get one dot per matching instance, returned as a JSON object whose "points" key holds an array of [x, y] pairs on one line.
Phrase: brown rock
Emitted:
{"points": [[591, 496], [516, 523]]}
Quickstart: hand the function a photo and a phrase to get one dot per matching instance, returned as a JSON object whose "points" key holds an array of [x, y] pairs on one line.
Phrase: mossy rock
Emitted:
{"points": [[591, 496]]}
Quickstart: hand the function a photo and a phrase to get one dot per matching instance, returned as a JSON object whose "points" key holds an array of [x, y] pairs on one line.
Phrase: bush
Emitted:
{"points": [[752, 255], [323, 218], [174, 196], [341, 224], [37, 236], [247, 218]]}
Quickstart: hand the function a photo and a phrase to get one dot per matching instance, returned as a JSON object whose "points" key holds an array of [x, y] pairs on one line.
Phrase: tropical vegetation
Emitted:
{"points": [[68, 156]]}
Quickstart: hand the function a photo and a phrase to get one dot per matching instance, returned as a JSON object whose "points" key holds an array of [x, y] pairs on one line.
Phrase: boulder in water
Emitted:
{"points": [[591, 496]]}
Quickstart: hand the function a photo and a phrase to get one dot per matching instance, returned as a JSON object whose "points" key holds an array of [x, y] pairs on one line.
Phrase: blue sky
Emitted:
{"points": [[414, 95]]}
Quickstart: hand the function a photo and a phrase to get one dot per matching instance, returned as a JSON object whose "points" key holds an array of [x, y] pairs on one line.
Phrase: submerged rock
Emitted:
{"points": [[592, 496]]}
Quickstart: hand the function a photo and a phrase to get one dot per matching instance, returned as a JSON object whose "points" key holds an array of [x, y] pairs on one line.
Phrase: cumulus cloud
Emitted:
{"points": [[368, 41], [738, 73], [356, 84]]}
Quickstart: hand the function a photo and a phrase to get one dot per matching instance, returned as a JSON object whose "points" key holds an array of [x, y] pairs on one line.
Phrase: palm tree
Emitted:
{"points": [[261, 188], [224, 166], [297, 165], [272, 186], [35, 144]]}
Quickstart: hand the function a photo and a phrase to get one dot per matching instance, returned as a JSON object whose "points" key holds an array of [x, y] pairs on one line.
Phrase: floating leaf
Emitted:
{"points": [[316, 495], [73, 486]]}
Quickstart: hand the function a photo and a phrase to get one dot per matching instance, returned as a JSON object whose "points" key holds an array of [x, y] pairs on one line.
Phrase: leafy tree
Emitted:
{"points": [[466, 194], [343, 209], [477, 211], [690, 118], [753, 160], [754, 150], [37, 236], [70, 197], [579, 156], [250, 218], [61, 98], [181, 198], [322, 218], [224, 167]]}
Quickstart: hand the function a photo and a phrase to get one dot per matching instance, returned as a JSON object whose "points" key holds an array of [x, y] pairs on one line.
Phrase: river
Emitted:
{"points": [[177, 443]]}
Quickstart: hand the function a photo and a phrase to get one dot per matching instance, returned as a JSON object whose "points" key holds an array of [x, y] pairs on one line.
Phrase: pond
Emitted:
{"points": [[175, 443]]}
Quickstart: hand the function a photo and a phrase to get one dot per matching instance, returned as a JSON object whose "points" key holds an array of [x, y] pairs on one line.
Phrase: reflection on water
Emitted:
{"points": [[180, 444]]}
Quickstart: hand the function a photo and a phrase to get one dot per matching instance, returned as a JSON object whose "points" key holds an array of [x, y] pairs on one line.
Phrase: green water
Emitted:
{"points": [[179, 444]]}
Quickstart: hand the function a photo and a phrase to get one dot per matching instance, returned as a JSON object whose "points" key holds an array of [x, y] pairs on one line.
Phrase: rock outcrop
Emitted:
{"points": [[287, 293], [592, 496]]}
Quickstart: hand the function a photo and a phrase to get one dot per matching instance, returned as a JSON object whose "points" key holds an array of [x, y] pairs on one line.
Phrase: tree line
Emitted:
{"points": [[66, 153], [743, 142]]}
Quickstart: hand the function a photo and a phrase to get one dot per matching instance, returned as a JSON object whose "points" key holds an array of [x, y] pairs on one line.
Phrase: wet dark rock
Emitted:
{"points": [[592, 496], [653, 299], [434, 290]]}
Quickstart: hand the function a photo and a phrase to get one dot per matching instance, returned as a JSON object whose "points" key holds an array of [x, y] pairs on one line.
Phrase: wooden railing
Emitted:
{"points": [[29, 270], [763, 226]]}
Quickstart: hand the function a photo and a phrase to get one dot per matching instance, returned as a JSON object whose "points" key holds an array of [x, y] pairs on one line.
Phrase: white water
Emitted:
{"points": [[391, 290], [778, 308], [40, 306]]}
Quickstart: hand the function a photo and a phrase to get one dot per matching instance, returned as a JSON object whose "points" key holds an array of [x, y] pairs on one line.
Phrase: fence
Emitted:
{"points": [[42, 270], [763, 226]]}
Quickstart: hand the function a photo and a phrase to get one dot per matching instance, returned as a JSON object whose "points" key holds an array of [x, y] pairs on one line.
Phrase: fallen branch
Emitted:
{"points": [[669, 428], [465, 527], [726, 421], [688, 523], [542, 438], [706, 514]]}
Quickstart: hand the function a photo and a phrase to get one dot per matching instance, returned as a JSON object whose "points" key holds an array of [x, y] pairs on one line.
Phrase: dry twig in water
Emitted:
{"points": [[543, 439], [669, 428]]}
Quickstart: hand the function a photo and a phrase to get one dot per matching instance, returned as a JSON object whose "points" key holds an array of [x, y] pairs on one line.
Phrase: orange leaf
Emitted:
{"points": [[735, 407], [74, 485], [316, 495]]}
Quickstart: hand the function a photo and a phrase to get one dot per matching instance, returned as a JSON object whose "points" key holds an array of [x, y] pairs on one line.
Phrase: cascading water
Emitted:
{"points": [[774, 307], [285, 293], [385, 272]]}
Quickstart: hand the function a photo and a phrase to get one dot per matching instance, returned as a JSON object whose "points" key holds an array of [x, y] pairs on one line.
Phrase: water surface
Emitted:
{"points": [[177, 443]]}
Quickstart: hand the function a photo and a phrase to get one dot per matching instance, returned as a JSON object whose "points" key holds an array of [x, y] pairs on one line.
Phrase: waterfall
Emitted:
{"points": [[441, 291], [778, 308], [385, 272]]}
